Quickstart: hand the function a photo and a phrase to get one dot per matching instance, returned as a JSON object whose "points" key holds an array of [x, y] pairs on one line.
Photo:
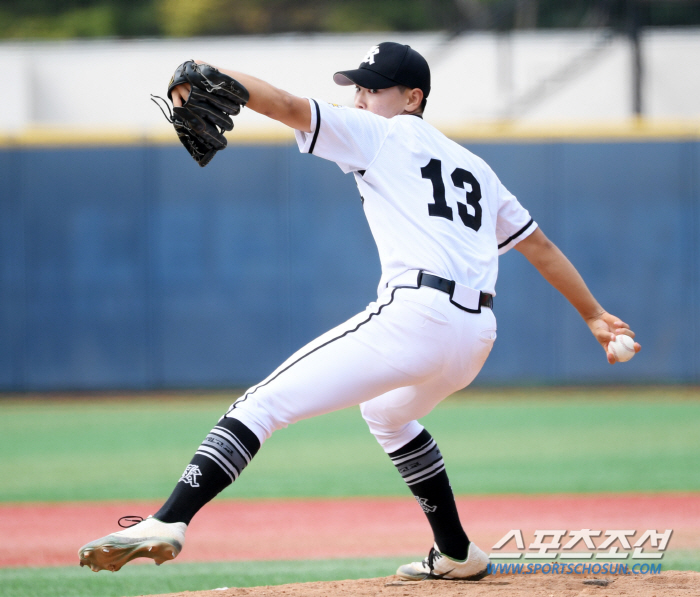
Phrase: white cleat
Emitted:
{"points": [[150, 538], [440, 567]]}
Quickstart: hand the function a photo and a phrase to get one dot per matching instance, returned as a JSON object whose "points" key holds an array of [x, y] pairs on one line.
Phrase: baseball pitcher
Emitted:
{"points": [[440, 217]]}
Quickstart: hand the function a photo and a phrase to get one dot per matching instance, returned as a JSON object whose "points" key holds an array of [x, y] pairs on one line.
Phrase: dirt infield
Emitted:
{"points": [[678, 584], [342, 528]]}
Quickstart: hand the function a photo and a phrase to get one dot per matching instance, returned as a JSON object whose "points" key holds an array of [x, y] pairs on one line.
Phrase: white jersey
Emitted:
{"points": [[431, 204]]}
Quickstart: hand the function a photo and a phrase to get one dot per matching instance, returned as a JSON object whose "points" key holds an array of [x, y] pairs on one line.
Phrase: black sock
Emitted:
{"points": [[421, 466], [223, 455]]}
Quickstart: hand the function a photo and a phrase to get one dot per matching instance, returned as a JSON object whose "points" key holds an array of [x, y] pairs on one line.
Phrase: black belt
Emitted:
{"points": [[447, 286]]}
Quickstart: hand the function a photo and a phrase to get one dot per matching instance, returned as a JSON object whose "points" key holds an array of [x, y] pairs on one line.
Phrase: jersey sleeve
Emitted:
{"points": [[349, 137], [514, 221]]}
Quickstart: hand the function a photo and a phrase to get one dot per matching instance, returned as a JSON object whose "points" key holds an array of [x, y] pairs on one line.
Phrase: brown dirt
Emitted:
{"points": [[678, 584], [340, 528]]}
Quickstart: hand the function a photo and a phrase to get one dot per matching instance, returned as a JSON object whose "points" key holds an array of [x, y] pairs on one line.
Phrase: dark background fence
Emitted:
{"points": [[131, 268]]}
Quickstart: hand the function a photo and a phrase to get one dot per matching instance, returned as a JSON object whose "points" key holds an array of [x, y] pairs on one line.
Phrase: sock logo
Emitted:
{"points": [[190, 475], [427, 508]]}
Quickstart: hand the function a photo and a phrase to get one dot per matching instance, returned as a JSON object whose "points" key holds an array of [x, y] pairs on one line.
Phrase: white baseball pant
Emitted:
{"points": [[397, 359]]}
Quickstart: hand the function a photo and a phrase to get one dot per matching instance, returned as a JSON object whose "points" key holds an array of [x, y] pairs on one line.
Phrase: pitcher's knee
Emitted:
{"points": [[392, 439]]}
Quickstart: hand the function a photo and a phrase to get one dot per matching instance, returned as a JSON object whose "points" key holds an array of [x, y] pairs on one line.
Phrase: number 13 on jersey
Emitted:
{"points": [[433, 172]]}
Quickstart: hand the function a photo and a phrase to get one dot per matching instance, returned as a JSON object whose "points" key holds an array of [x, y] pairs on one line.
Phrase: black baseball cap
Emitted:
{"points": [[387, 65]]}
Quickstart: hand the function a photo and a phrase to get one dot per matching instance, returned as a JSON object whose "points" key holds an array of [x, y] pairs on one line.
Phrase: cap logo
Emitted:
{"points": [[369, 58]]}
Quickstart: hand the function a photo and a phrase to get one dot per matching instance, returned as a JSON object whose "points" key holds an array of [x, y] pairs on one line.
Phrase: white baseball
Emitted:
{"points": [[622, 348]]}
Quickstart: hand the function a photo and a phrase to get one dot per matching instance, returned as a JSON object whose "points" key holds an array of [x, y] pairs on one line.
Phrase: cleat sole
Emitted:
{"points": [[113, 555]]}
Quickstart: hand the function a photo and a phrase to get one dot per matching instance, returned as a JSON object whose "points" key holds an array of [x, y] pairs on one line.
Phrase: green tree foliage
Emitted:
{"points": [[224, 17], [65, 19]]}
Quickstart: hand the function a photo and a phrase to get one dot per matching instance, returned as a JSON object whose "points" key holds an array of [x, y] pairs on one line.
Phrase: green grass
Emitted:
{"points": [[148, 579], [514, 441], [170, 578]]}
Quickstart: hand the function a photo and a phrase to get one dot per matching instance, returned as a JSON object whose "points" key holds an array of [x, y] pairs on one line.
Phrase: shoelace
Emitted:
{"points": [[134, 520], [432, 556], [430, 561]]}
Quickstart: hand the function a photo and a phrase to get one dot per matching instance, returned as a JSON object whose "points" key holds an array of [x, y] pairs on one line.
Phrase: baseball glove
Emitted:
{"points": [[201, 121]]}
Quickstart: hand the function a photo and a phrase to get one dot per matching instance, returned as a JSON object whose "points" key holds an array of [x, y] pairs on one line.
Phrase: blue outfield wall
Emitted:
{"points": [[132, 268]]}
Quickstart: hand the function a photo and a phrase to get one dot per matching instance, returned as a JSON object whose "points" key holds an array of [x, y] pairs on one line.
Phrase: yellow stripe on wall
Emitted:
{"points": [[628, 130], [502, 131], [60, 137]]}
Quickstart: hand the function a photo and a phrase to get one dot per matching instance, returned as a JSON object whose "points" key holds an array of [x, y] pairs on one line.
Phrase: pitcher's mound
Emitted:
{"points": [[677, 584]]}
